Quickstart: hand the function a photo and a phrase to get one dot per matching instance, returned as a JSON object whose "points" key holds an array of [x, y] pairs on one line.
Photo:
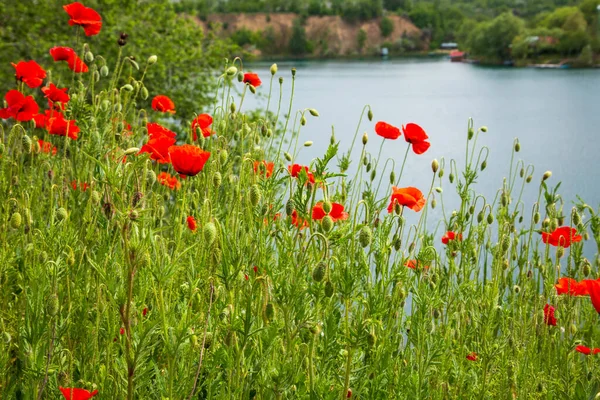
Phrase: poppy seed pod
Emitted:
{"points": [[327, 223], [15, 220], [318, 272], [210, 233], [365, 236], [273, 69]]}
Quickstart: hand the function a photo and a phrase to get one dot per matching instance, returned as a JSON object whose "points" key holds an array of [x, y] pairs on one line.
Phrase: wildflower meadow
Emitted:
{"points": [[146, 257]]}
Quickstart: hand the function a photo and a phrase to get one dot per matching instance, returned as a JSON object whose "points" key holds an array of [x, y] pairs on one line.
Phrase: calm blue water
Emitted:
{"points": [[554, 113]]}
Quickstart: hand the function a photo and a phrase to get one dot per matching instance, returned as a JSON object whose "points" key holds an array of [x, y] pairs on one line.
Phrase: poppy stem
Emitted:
{"points": [[403, 162]]}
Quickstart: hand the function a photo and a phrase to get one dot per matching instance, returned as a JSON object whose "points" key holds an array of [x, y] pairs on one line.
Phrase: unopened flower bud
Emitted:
{"points": [[329, 289], [144, 93], [27, 144], [127, 88], [365, 236], [392, 177], [483, 165], [255, 195], [89, 56], [210, 233], [327, 223], [293, 71], [269, 311], [365, 139], [370, 115], [273, 69], [522, 172], [223, 156], [483, 129], [313, 112], [451, 177], [287, 156], [490, 219], [104, 71], [517, 147], [252, 88], [217, 179], [528, 179], [433, 203], [308, 143], [15, 220], [546, 175], [231, 71], [52, 305], [435, 165], [152, 59], [327, 206], [560, 251], [61, 214], [303, 120], [131, 150]]}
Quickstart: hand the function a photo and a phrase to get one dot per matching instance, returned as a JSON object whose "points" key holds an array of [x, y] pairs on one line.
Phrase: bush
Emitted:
{"points": [[298, 43], [386, 26]]}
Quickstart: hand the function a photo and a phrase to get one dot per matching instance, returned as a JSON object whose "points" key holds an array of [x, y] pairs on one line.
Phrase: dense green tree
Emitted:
{"points": [[386, 26], [298, 41], [492, 40]]}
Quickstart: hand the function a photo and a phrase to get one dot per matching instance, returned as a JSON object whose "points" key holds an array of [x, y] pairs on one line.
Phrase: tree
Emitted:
{"points": [[492, 40], [386, 26], [298, 43], [361, 39]]}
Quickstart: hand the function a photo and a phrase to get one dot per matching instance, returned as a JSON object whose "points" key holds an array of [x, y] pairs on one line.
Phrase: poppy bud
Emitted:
{"points": [[127, 88], [210, 233], [27, 143], [255, 195], [433, 203], [313, 112], [470, 133], [89, 56], [281, 80], [287, 156], [576, 217], [480, 216], [332, 139], [329, 289], [451, 177], [490, 219], [397, 208], [370, 115], [144, 93], [327, 206], [371, 339], [435, 165], [223, 156], [505, 243], [529, 178], [522, 172], [15, 220], [517, 147], [364, 236], [536, 217], [368, 167], [61, 214], [152, 59], [289, 207], [587, 267], [483, 129], [504, 199], [373, 174], [516, 289], [217, 179], [318, 272], [131, 150], [269, 312], [133, 215], [52, 305], [560, 251], [273, 69], [308, 143], [303, 120], [293, 71], [365, 139], [231, 71], [438, 189], [411, 247], [397, 242], [553, 224], [441, 173], [327, 223], [483, 165], [151, 177], [392, 177], [240, 77], [546, 175], [252, 88], [104, 71]]}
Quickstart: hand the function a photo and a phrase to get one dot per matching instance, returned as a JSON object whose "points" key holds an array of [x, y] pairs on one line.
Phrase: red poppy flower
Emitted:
{"points": [[158, 145], [410, 197], [191, 223], [416, 136], [472, 356], [414, 264], [562, 236], [571, 287], [295, 171], [188, 159], [387, 131], [77, 394], [67, 54], [163, 104], [451, 236], [20, 107], [252, 79], [202, 122], [593, 287], [30, 73], [56, 95], [549, 318], [583, 350], [145, 311], [83, 186], [86, 17], [47, 147], [264, 168], [40, 120], [337, 212], [165, 179], [56, 124], [297, 221]]}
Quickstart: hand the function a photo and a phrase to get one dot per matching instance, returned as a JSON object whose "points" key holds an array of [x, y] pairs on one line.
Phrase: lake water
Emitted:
{"points": [[554, 113]]}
